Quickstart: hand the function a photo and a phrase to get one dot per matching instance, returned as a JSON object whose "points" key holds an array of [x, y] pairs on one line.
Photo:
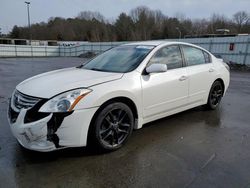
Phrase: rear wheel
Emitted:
{"points": [[215, 95], [112, 126]]}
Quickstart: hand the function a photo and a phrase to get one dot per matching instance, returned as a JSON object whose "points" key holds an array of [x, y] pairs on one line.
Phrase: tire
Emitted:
{"points": [[112, 127], [215, 95]]}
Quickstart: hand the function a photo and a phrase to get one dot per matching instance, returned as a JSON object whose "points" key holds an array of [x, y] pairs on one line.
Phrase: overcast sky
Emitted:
{"points": [[14, 12]]}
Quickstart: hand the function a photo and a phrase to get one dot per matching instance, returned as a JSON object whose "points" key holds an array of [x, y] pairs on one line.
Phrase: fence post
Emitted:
{"points": [[246, 51], [210, 45], [15, 51], [45, 51], [31, 49]]}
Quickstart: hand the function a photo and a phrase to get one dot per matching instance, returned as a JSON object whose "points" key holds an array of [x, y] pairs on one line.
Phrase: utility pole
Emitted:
{"points": [[178, 29], [28, 9]]}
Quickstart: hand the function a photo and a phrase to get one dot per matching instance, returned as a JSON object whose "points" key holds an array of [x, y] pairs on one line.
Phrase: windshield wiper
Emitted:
{"points": [[79, 66], [96, 69]]}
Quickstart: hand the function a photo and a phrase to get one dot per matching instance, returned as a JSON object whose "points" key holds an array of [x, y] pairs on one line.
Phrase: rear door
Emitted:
{"points": [[201, 73]]}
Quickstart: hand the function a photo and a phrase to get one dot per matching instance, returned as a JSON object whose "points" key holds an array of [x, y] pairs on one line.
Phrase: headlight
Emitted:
{"points": [[64, 102]]}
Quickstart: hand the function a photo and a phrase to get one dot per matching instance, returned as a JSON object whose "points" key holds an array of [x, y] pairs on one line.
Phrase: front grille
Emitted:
{"points": [[20, 101]]}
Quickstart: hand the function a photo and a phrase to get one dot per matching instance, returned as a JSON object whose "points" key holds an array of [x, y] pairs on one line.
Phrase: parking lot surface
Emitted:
{"points": [[195, 148]]}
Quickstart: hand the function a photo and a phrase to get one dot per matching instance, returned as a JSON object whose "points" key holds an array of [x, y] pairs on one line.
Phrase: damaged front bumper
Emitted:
{"points": [[33, 135], [52, 132]]}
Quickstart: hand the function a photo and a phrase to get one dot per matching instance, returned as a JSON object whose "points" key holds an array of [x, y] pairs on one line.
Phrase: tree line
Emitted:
{"points": [[141, 23]]}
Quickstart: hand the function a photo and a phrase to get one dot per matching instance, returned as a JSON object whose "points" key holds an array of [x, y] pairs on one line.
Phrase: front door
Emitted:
{"points": [[167, 91]]}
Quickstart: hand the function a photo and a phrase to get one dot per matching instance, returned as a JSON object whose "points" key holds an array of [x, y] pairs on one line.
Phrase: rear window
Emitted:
{"points": [[193, 56]]}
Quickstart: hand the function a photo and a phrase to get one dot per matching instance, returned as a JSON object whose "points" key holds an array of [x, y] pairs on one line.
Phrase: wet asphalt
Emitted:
{"points": [[195, 148]]}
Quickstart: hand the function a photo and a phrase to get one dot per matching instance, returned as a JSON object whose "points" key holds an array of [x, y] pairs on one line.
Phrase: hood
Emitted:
{"points": [[49, 84]]}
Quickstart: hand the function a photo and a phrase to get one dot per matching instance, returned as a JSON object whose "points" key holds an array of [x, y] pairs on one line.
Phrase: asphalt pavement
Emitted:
{"points": [[195, 148]]}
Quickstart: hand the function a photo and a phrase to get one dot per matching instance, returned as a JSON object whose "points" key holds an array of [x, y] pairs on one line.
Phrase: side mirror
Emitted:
{"points": [[156, 68]]}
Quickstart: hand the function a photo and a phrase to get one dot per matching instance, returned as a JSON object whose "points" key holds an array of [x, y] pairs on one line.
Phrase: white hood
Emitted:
{"points": [[48, 84]]}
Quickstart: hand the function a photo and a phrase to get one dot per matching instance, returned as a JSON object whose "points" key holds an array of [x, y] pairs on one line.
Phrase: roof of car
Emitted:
{"points": [[162, 42], [155, 42], [152, 43]]}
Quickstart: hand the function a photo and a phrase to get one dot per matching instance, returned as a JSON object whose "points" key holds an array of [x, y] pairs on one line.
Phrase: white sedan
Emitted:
{"points": [[100, 103]]}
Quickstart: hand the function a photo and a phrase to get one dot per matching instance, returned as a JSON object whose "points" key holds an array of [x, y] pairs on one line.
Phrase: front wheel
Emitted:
{"points": [[215, 95], [112, 126]]}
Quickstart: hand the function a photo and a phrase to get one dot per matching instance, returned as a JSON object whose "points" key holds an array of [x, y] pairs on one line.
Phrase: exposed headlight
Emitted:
{"points": [[64, 102]]}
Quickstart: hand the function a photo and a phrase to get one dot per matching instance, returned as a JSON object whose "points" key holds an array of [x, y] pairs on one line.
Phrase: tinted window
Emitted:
{"points": [[170, 55], [193, 56], [120, 59]]}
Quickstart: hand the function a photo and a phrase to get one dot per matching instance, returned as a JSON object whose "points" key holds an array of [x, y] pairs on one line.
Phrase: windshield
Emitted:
{"points": [[120, 59]]}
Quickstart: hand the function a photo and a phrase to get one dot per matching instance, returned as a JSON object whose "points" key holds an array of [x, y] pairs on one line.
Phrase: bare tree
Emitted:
{"points": [[199, 26], [89, 15], [142, 23], [241, 18], [144, 20], [217, 21]]}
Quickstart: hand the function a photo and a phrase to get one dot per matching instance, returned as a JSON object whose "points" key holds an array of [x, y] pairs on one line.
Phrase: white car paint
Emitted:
{"points": [[155, 96], [58, 81]]}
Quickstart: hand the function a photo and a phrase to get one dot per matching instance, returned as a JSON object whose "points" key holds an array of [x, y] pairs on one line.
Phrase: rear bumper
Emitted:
{"points": [[72, 131]]}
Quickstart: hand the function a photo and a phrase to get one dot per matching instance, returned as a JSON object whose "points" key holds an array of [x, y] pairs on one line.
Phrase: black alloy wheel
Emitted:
{"points": [[215, 95], [113, 125]]}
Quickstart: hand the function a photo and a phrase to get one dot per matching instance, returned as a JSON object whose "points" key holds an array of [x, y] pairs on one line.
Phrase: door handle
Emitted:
{"points": [[183, 78], [211, 70]]}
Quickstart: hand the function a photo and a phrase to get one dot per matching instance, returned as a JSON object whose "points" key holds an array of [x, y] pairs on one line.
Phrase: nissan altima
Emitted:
{"points": [[102, 101]]}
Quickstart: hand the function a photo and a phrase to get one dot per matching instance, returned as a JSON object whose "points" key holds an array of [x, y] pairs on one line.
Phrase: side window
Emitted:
{"points": [[207, 57], [193, 56], [169, 55]]}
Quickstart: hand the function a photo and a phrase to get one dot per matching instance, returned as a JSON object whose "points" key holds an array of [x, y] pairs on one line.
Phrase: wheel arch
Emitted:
{"points": [[222, 83], [131, 104]]}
